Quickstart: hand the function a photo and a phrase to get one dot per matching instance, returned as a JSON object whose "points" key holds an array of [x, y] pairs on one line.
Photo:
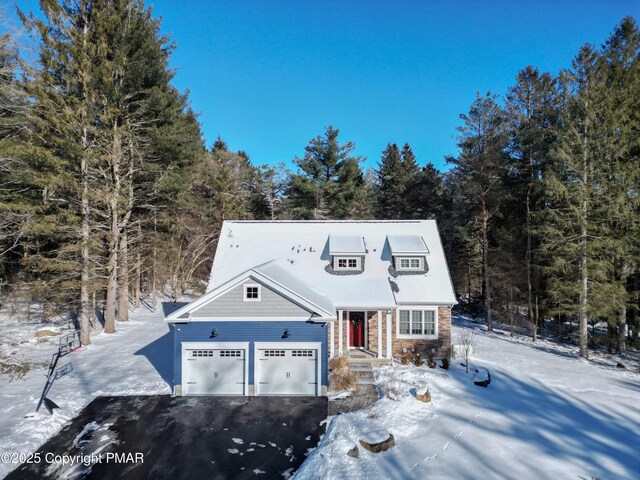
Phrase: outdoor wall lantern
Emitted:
{"points": [[286, 333], [214, 334]]}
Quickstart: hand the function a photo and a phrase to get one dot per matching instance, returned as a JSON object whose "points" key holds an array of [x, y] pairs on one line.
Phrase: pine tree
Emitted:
{"points": [[391, 184], [531, 105], [64, 114], [14, 213], [481, 169], [574, 233], [327, 181], [116, 133], [412, 179], [620, 64]]}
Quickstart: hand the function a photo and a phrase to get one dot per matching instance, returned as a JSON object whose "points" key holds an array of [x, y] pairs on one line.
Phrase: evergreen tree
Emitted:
{"points": [[532, 105], [481, 169], [574, 233], [413, 204], [14, 212], [620, 64], [107, 117], [390, 184], [328, 180]]}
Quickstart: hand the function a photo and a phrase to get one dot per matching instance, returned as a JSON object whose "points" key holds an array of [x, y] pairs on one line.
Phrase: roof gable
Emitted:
{"points": [[316, 312]]}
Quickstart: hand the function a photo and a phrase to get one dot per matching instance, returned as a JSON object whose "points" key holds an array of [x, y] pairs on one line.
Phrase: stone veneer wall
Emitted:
{"points": [[442, 344]]}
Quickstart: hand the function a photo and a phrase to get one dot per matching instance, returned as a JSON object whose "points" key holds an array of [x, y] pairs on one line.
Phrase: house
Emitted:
{"points": [[284, 296]]}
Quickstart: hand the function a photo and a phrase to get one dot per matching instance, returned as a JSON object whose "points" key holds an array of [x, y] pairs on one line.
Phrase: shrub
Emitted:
{"points": [[445, 363], [431, 361], [418, 360], [342, 376], [404, 359]]}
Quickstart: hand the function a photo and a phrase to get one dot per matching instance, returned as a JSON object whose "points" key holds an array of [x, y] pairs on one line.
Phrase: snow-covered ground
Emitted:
{"points": [[134, 361], [547, 414]]}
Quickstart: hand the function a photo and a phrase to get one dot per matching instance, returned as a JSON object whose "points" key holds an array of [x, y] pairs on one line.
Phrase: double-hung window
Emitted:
{"points": [[417, 323]]}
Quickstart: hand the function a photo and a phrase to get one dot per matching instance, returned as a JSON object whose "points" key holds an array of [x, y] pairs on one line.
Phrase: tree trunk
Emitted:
{"points": [[510, 306], [485, 258], [138, 280], [123, 279], [528, 252], [535, 318], [114, 237], [84, 317], [560, 328], [83, 314], [154, 268], [621, 344], [112, 279], [621, 334], [583, 318]]}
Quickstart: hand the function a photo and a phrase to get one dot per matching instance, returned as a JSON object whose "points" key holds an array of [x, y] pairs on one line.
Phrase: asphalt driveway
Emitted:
{"points": [[182, 437]]}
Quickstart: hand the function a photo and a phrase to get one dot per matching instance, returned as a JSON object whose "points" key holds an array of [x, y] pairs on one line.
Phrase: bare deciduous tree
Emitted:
{"points": [[466, 345]]}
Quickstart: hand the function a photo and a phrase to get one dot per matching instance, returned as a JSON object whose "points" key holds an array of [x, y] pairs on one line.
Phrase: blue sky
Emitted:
{"points": [[269, 75]]}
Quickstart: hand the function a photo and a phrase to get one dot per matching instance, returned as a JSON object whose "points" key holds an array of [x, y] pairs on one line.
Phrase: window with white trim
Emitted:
{"points": [[409, 263], [417, 323], [251, 293], [347, 263]]}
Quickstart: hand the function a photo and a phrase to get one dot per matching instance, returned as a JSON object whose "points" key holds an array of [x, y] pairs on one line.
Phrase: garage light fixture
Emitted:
{"points": [[286, 333], [214, 334]]}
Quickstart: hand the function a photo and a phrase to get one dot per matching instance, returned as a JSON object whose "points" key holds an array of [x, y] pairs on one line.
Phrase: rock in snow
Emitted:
{"points": [[354, 452], [482, 378], [379, 446], [47, 332], [423, 394]]}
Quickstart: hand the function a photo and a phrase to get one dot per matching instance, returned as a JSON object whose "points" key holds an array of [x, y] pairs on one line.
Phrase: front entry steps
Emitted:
{"points": [[364, 358], [365, 394]]}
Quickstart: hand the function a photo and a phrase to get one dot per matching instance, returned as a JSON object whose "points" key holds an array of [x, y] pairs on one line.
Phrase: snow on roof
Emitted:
{"points": [[283, 277], [400, 244], [296, 254], [346, 244]]}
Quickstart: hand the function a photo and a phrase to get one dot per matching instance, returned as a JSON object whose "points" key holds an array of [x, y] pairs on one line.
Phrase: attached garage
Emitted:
{"points": [[283, 368], [215, 369]]}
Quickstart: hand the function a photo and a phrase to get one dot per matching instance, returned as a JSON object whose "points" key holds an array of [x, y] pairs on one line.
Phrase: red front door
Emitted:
{"points": [[356, 329]]}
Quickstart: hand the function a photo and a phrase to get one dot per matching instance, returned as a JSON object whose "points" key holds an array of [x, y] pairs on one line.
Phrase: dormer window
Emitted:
{"points": [[251, 293], [409, 253], [410, 263], [347, 263], [347, 254]]}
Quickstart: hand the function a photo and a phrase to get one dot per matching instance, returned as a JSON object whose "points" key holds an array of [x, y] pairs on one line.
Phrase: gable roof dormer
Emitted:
{"points": [[347, 254], [409, 254]]}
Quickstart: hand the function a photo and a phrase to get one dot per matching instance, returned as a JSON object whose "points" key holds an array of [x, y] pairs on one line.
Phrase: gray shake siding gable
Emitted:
{"points": [[232, 304]]}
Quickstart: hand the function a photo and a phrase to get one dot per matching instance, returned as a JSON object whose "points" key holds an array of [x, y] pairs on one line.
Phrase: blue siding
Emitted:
{"points": [[249, 331]]}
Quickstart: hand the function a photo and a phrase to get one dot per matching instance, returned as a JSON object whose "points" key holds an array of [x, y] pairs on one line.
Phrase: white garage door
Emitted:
{"points": [[209, 371], [285, 371]]}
